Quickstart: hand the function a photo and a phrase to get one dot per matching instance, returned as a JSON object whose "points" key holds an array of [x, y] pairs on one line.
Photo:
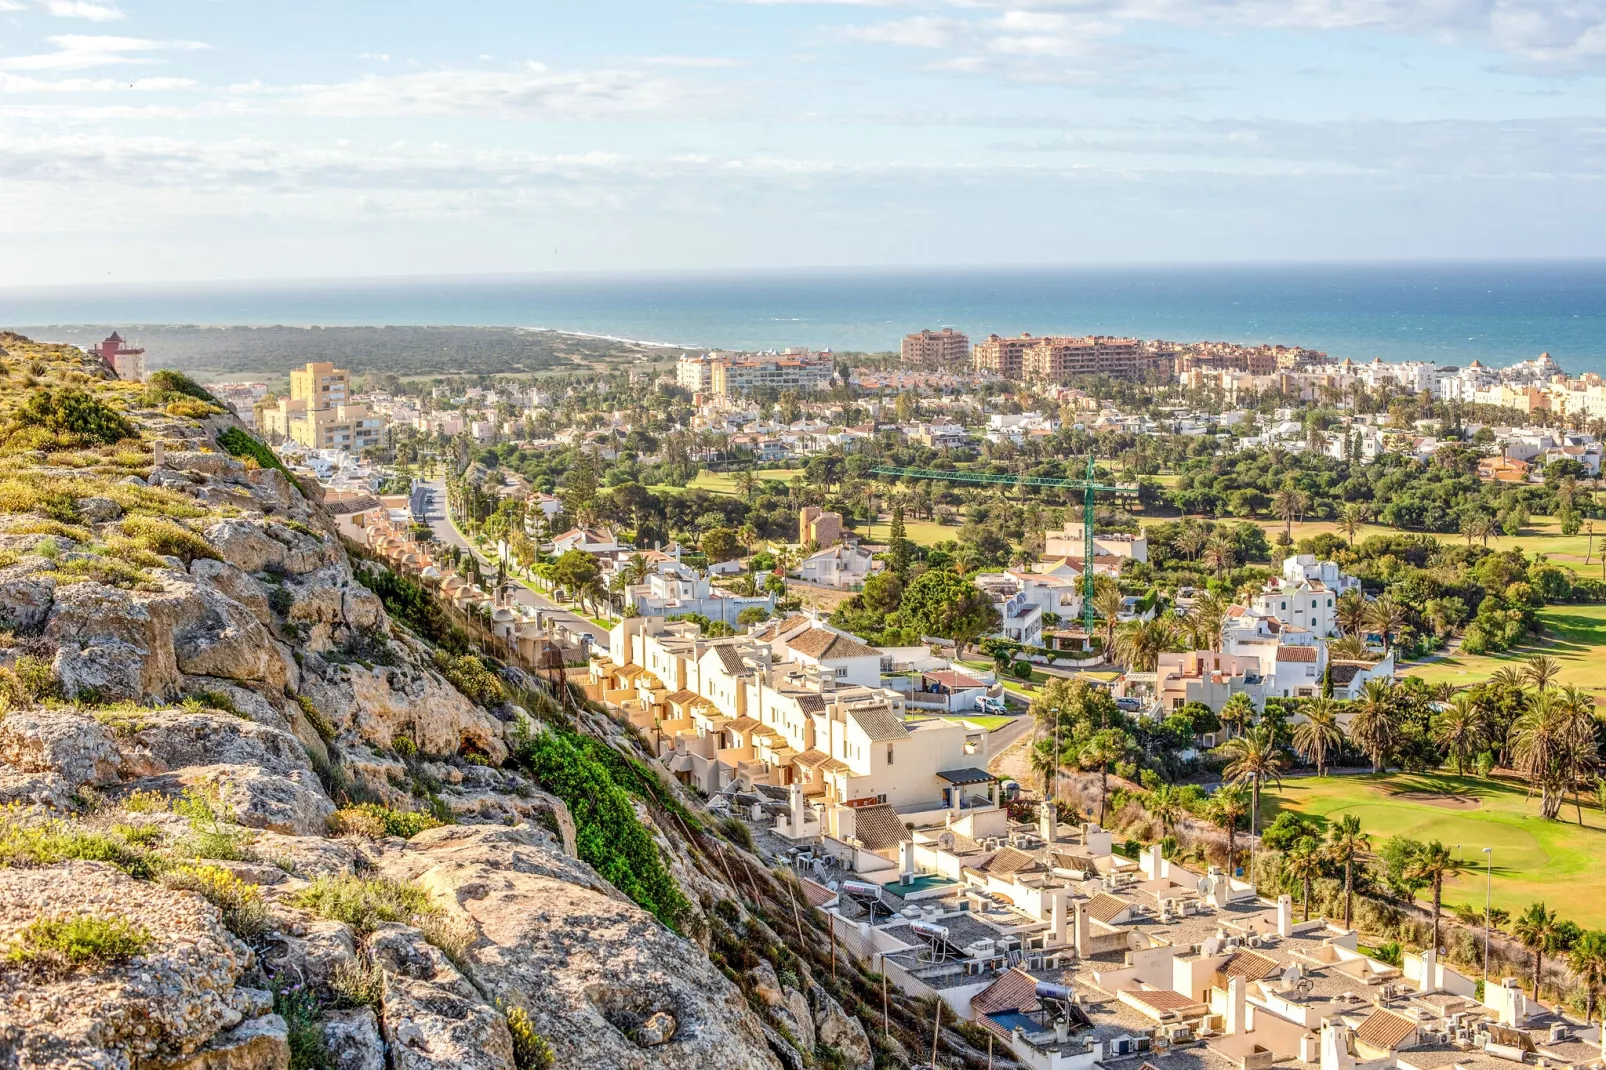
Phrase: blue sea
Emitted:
{"points": [[1497, 312]]}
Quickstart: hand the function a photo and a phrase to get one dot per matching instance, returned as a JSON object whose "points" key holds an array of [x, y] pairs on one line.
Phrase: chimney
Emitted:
{"points": [[1084, 933], [1219, 887], [1429, 981], [1285, 916], [1237, 1008], [796, 801], [906, 862], [1156, 862], [1056, 932], [1337, 1053], [1048, 821]]}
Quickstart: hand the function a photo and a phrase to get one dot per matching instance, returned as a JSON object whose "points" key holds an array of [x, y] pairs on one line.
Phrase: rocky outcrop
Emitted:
{"points": [[165, 1004], [76, 748], [600, 978]]}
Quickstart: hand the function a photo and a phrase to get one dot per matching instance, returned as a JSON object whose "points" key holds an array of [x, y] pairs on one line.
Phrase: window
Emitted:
{"points": [[889, 753]]}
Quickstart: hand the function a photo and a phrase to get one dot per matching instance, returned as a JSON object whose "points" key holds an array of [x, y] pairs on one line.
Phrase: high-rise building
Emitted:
{"points": [[1056, 359], [1001, 356], [320, 384], [944, 348], [319, 415]]}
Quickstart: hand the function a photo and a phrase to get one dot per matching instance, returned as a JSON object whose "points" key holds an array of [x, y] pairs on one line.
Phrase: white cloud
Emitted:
{"points": [[707, 62], [15, 83], [79, 51], [84, 9], [533, 91], [1543, 35], [382, 57]]}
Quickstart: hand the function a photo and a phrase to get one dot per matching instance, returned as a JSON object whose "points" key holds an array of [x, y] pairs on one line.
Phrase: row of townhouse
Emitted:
{"points": [[1074, 957], [798, 708]]}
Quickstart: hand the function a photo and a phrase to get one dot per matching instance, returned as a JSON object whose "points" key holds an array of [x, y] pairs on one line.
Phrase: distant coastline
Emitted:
{"points": [[1449, 313]]}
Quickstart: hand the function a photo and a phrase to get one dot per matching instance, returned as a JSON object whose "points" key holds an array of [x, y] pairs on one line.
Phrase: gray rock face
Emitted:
{"points": [[428, 1027], [262, 772], [25, 599], [381, 703], [599, 977], [353, 1041], [135, 644], [165, 1004], [259, 1044], [69, 744], [836, 1028]]}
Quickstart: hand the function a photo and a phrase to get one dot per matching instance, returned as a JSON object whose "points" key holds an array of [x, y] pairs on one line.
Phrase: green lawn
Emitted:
{"points": [[1534, 859], [1574, 636], [989, 722], [919, 532]]}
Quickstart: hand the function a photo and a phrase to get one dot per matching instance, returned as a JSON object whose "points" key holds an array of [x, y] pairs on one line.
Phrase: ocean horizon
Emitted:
{"points": [[1449, 312]]}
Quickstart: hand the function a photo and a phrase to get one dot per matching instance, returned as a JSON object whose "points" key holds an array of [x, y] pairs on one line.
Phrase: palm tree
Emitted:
{"points": [[1461, 729], [1350, 612], [1304, 863], [1164, 804], [1540, 671], [1355, 515], [1375, 727], [1205, 620], [1386, 617], [1229, 803], [1107, 601], [1254, 758], [1318, 733], [1587, 960], [1218, 555], [1539, 744], [1191, 540], [1430, 862], [636, 569], [1285, 506], [1537, 929], [1345, 843], [1102, 750], [1237, 712], [1139, 643]]}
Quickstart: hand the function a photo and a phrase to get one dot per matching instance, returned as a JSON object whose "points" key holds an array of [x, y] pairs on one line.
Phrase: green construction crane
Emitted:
{"points": [[1087, 485]]}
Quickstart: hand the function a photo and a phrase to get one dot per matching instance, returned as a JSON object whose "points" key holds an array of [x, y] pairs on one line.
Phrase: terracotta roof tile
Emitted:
{"points": [[1384, 1030], [879, 827]]}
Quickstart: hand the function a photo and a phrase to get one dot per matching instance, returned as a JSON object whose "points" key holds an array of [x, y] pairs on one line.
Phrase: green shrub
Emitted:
{"points": [[145, 802], [214, 833], [28, 681], [237, 443], [240, 902], [27, 842], [168, 539], [530, 1049], [374, 820], [73, 416], [303, 1015], [168, 381], [197, 701], [65, 942], [358, 982], [365, 903], [469, 675], [403, 746], [607, 833]]}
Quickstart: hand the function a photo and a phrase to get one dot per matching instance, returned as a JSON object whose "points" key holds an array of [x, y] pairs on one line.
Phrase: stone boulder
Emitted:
{"points": [[352, 1040], [25, 599], [380, 703], [788, 1009], [261, 772], [602, 980], [166, 1004], [259, 1044], [136, 644], [63, 742], [428, 1027], [836, 1028]]}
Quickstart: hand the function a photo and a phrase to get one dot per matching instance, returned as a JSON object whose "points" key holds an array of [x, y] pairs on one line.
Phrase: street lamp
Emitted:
{"points": [[1488, 885]]}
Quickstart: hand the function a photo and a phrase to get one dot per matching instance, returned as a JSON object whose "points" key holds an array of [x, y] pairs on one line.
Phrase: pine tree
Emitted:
{"points": [[898, 551]]}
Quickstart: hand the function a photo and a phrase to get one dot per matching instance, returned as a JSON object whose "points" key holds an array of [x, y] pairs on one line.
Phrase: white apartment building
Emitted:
{"points": [[786, 707], [695, 372], [672, 589], [839, 566]]}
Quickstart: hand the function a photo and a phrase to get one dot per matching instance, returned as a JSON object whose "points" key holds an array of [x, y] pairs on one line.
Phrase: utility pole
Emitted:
{"points": [[1488, 889]]}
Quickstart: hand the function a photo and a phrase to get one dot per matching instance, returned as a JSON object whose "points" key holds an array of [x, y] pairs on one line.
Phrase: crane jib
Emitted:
{"points": [[1089, 488]]}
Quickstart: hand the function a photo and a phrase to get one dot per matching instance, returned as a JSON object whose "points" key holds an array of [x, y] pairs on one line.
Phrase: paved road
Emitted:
{"points": [[446, 533]]}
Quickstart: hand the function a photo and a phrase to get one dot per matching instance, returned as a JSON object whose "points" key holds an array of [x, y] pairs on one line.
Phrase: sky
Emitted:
{"points": [[160, 140]]}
